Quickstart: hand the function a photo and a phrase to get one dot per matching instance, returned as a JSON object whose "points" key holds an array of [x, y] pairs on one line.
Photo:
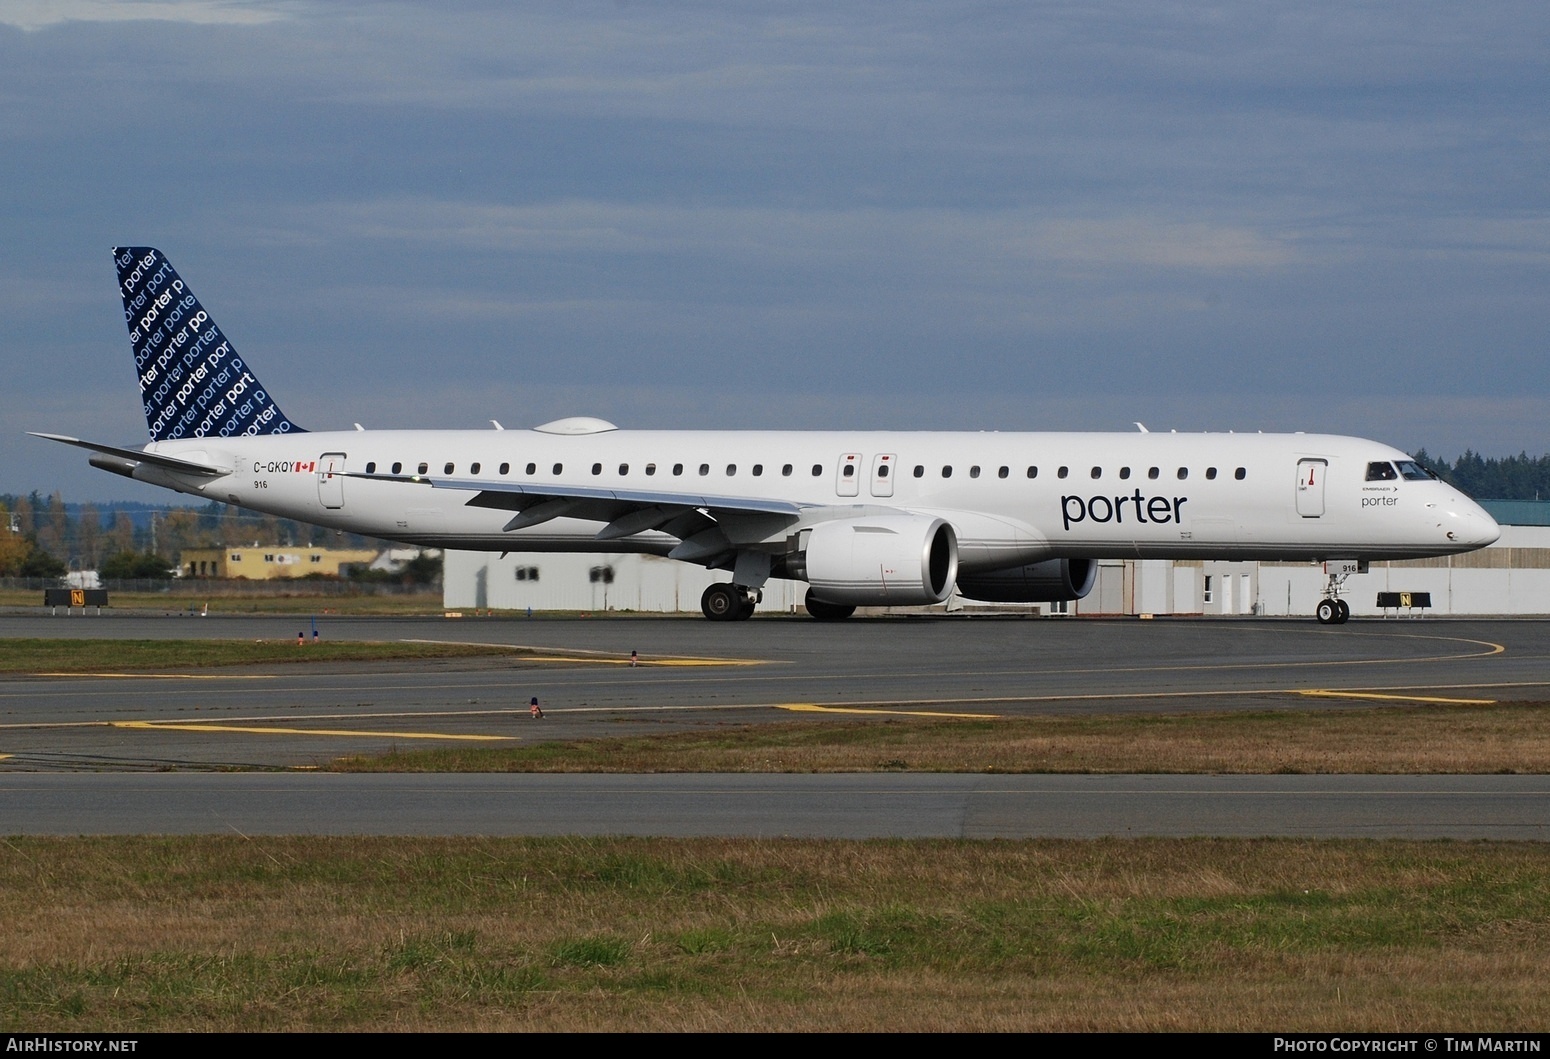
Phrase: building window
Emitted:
{"points": [[527, 573], [236, 557], [601, 575]]}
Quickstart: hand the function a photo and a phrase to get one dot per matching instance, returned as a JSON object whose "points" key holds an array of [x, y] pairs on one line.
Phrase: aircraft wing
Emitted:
{"points": [[625, 511], [170, 463]]}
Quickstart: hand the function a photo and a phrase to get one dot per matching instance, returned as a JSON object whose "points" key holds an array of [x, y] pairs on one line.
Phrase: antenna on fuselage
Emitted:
{"points": [[1142, 427]]}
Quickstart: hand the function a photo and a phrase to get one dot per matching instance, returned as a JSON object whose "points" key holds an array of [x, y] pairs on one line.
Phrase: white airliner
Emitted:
{"points": [[865, 518]]}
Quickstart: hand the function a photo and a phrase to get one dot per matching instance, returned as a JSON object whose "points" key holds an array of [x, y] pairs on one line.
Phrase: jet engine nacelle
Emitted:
{"points": [[878, 561], [1044, 582]]}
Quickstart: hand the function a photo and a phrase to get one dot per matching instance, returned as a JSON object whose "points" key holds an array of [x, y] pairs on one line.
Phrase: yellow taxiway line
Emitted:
{"points": [[161, 727], [813, 707], [1332, 694]]}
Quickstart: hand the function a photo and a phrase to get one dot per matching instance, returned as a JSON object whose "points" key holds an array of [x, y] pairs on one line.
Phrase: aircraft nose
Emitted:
{"points": [[1468, 523]]}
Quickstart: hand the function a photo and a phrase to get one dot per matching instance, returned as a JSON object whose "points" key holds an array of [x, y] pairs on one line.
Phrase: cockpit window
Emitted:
{"points": [[1381, 472], [1411, 471]]}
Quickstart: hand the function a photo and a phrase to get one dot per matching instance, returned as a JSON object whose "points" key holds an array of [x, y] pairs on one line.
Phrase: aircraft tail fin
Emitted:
{"points": [[192, 381]]}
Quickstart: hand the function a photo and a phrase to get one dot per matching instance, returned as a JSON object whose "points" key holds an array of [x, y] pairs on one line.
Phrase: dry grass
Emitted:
{"points": [[146, 934], [96, 656], [1506, 738]]}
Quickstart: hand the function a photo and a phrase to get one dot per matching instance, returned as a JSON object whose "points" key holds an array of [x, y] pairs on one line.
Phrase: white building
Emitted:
{"points": [[1512, 576]]}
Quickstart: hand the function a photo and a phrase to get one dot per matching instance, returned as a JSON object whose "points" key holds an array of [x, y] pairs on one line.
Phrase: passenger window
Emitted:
{"points": [[1183, 473], [947, 472], [758, 469], [532, 468], [1003, 472], [505, 468], [1240, 474], [704, 469], [785, 470], [624, 469], [817, 470], [882, 472], [1210, 474], [597, 468], [558, 468], [651, 469], [731, 469], [1152, 472], [974, 472], [371, 468], [1062, 472], [424, 467], [447, 469], [1033, 472], [1097, 472], [1381, 472], [678, 468], [920, 472], [849, 470], [398, 468], [1124, 472], [473, 468]]}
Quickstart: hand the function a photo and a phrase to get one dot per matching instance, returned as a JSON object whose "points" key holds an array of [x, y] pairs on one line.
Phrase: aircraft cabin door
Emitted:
{"points": [[331, 480], [1310, 487], [848, 479], [882, 474]]}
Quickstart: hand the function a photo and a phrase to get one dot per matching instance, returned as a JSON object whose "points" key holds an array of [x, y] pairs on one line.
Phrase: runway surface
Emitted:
{"points": [[696, 674], [762, 806]]}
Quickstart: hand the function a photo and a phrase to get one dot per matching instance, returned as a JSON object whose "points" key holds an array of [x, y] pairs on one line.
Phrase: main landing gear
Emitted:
{"points": [[727, 602]]}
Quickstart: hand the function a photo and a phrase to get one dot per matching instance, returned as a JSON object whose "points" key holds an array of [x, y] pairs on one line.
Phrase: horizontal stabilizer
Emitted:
{"points": [[155, 459]]}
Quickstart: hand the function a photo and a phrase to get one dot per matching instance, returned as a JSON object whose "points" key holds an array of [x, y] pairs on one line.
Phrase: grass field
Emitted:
{"points": [[1512, 737], [122, 934], [301, 602], [95, 656]]}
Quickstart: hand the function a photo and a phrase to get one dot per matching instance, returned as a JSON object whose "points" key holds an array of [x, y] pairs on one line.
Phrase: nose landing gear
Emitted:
{"points": [[1333, 611]]}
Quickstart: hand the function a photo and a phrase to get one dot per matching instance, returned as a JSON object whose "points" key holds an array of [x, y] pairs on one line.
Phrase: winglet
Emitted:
{"points": [[192, 381]]}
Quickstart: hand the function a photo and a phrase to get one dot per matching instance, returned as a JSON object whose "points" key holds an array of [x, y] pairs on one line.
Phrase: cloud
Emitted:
{"points": [[32, 15]]}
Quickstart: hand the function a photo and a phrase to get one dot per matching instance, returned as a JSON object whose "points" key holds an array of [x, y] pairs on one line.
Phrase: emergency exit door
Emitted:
{"points": [[331, 480]]}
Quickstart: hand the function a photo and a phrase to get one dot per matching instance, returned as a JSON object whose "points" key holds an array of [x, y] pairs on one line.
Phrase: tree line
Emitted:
{"points": [[46, 537], [1520, 477]]}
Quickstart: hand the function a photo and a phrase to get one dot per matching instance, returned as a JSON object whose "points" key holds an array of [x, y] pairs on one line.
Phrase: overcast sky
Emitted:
{"points": [[1021, 216]]}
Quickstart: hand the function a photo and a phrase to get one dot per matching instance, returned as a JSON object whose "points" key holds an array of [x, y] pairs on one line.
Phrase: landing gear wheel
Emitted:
{"points": [[827, 611], [1345, 612], [722, 602], [1327, 612]]}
